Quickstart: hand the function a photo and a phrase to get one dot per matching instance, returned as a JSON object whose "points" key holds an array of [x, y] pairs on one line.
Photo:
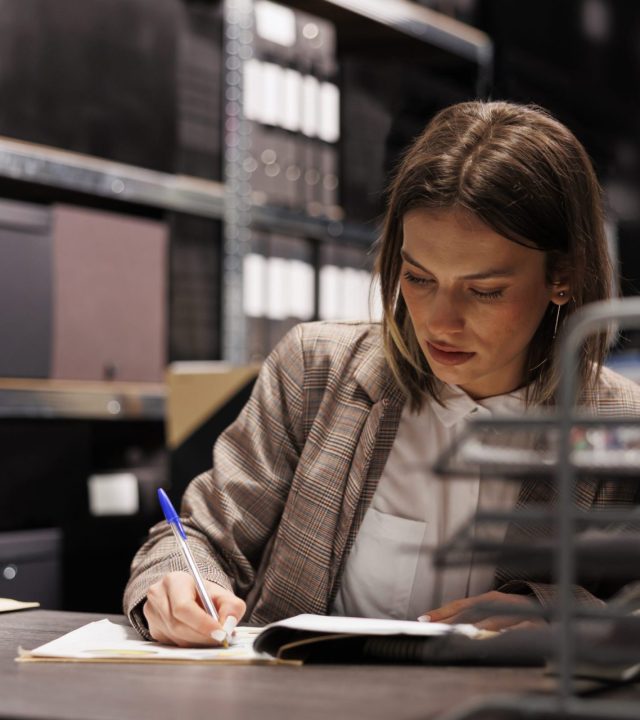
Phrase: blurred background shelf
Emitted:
{"points": [[50, 166], [89, 175], [422, 23], [24, 398]]}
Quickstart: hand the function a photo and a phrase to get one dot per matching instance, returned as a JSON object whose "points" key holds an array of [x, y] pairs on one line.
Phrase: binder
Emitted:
{"points": [[385, 106], [255, 292], [273, 156], [279, 289], [275, 32], [367, 122], [194, 288], [293, 103], [316, 45], [344, 282], [328, 639], [291, 285], [199, 79], [88, 76], [26, 288]]}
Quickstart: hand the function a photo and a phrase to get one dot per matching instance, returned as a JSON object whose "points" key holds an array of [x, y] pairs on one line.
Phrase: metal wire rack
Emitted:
{"points": [[559, 447]]}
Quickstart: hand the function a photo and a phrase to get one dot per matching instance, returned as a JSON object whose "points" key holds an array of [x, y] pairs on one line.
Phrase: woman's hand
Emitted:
{"points": [[467, 610], [174, 613]]}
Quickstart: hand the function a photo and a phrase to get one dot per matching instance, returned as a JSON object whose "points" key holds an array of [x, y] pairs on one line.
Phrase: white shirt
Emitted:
{"points": [[389, 573]]}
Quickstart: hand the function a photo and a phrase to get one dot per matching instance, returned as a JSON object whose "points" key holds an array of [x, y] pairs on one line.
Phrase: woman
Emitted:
{"points": [[493, 237]]}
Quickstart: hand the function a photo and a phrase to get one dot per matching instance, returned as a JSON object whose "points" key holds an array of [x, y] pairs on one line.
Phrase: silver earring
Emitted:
{"points": [[555, 327]]}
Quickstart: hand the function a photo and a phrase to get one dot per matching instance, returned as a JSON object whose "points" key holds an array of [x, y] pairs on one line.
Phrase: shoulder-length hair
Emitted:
{"points": [[527, 177]]}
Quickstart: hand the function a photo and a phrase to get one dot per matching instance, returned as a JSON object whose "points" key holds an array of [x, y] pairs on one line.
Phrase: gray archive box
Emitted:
{"points": [[31, 567], [109, 309], [25, 289]]}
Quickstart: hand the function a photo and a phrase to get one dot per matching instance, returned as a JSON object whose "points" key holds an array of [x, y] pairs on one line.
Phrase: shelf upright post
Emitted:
{"points": [[238, 26]]}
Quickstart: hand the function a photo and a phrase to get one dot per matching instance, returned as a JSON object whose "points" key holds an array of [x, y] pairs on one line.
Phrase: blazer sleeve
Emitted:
{"points": [[230, 512], [545, 593], [600, 585]]}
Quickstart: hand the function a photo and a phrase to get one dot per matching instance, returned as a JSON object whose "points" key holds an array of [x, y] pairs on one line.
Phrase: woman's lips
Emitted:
{"points": [[448, 357]]}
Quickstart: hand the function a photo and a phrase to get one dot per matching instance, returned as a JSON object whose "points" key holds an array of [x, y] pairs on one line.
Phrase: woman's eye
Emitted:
{"points": [[490, 295], [410, 277]]}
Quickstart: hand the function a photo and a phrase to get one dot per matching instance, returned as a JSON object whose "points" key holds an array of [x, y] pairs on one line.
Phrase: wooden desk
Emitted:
{"points": [[88, 692]]}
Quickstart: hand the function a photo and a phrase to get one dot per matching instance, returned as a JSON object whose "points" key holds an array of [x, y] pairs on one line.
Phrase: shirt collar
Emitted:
{"points": [[457, 405]]}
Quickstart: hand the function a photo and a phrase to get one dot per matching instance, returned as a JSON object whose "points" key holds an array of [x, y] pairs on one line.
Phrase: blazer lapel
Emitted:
{"points": [[369, 460]]}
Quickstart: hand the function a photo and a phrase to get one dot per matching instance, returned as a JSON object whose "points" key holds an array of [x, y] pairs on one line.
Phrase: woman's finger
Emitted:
{"points": [[448, 611], [230, 610], [188, 620]]}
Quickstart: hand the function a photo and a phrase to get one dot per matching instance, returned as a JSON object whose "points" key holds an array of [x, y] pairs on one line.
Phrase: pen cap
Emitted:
{"points": [[167, 508]]}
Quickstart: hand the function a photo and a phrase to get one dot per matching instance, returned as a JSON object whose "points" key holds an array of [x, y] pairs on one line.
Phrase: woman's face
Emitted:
{"points": [[475, 299]]}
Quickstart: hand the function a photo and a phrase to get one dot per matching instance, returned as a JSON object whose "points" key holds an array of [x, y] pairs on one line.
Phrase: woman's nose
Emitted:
{"points": [[445, 316]]}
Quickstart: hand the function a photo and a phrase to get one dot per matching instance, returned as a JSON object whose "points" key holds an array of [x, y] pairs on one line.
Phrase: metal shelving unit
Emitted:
{"points": [[241, 213], [230, 201], [426, 25], [52, 167], [569, 553]]}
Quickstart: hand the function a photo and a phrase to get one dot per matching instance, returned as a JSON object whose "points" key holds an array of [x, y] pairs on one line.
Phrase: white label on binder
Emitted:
{"points": [[291, 101], [275, 23], [301, 290], [113, 494], [278, 291], [254, 285], [310, 105], [330, 292], [252, 89], [329, 129], [272, 89]]}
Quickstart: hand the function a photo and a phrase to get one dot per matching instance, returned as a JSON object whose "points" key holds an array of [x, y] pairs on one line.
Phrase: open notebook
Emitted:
{"points": [[328, 639]]}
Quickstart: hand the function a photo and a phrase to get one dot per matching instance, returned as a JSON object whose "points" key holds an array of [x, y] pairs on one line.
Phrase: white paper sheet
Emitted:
{"points": [[106, 641]]}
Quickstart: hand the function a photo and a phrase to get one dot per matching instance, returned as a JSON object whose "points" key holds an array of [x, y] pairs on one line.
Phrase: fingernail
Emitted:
{"points": [[424, 618], [219, 635], [229, 624]]}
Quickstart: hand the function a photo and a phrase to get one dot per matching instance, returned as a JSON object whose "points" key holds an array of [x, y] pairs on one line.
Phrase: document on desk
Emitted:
{"points": [[104, 641], [303, 639], [9, 605]]}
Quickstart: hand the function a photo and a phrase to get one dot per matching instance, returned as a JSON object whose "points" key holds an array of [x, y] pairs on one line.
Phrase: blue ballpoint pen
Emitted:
{"points": [[181, 538]]}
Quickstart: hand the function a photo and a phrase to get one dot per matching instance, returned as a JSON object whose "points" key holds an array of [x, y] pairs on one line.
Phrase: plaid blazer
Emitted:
{"points": [[292, 477]]}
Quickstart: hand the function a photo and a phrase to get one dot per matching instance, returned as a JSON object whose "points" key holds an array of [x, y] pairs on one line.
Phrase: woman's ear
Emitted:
{"points": [[561, 290]]}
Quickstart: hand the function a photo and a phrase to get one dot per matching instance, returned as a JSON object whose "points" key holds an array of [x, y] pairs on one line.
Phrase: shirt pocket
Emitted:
{"points": [[380, 570]]}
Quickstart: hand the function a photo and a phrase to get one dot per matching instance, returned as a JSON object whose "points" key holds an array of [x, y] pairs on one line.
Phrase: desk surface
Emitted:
{"points": [[92, 692]]}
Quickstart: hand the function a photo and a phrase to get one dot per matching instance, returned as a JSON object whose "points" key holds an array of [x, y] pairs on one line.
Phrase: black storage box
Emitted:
{"points": [[30, 566]]}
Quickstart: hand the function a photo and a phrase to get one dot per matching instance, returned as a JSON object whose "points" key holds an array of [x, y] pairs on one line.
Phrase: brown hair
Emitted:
{"points": [[528, 178]]}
